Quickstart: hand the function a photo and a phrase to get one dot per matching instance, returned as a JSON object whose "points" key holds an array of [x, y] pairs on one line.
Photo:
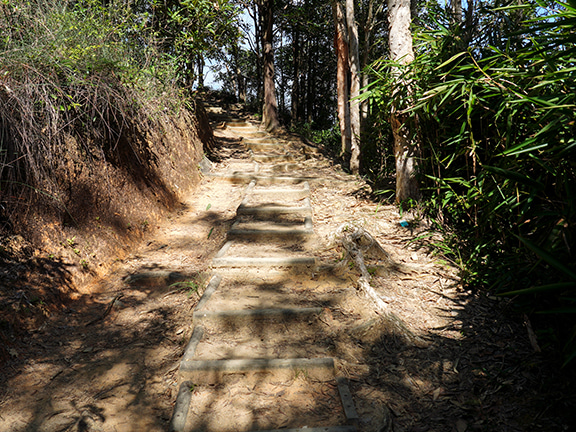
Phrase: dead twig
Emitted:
{"points": [[107, 311], [531, 335]]}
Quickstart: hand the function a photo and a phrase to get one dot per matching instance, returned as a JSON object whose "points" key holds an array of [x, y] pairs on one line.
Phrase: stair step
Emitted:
{"points": [[267, 208], [236, 316], [265, 334], [251, 291], [272, 157], [263, 261], [266, 139], [267, 228], [262, 402], [213, 371], [282, 191], [266, 145], [237, 177]]}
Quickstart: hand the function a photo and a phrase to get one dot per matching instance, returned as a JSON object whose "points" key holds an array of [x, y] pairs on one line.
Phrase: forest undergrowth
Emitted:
{"points": [[495, 108]]}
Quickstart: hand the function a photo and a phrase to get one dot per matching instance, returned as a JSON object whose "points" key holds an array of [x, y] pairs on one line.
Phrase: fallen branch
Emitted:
{"points": [[357, 243]]}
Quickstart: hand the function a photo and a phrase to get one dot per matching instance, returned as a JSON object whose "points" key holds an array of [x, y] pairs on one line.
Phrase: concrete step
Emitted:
{"points": [[266, 139], [239, 177], [266, 146], [214, 371], [263, 261], [258, 228], [273, 158], [254, 291], [259, 208], [254, 189], [262, 334]]}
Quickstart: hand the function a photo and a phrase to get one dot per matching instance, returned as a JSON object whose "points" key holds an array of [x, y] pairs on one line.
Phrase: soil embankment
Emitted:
{"points": [[101, 199]]}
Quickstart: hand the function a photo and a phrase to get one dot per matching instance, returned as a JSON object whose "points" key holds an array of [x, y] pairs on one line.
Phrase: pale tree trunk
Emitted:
{"points": [[270, 120], [371, 18], [354, 87], [406, 145], [456, 11], [342, 70], [254, 10]]}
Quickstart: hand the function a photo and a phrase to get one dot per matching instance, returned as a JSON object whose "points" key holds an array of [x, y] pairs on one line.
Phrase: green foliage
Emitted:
{"points": [[72, 69], [328, 138], [498, 125], [191, 286], [191, 31]]}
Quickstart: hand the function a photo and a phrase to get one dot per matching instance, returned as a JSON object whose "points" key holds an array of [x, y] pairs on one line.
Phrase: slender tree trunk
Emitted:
{"points": [[255, 13], [469, 23], [240, 81], [342, 71], [295, 96], [282, 83], [456, 11], [354, 87], [200, 66], [369, 25], [309, 83], [406, 145], [270, 120]]}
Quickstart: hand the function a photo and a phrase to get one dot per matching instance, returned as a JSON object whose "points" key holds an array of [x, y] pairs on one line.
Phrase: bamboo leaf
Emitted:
{"points": [[541, 288], [546, 256], [520, 178], [451, 59]]}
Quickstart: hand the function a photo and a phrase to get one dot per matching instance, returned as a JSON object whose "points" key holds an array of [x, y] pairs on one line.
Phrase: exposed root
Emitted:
{"points": [[358, 243]]}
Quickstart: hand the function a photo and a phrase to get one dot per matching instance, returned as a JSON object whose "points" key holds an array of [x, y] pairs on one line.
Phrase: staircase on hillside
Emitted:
{"points": [[258, 358]]}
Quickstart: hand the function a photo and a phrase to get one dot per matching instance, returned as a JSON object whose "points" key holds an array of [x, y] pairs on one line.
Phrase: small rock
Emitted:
{"points": [[205, 165]]}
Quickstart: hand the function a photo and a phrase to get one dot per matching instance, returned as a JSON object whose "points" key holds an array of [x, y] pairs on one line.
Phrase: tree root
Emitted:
{"points": [[358, 243]]}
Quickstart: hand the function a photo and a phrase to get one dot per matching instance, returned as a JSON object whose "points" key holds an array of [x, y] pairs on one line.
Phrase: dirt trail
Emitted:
{"points": [[239, 315]]}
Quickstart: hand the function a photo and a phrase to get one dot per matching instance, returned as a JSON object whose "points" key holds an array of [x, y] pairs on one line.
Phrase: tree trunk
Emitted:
{"points": [[255, 13], [200, 66], [270, 120], [354, 87], [309, 83], [456, 11], [371, 18], [342, 70], [295, 96], [406, 145]]}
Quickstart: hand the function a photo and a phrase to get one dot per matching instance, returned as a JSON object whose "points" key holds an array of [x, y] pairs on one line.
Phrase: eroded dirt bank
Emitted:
{"points": [[108, 361], [101, 200]]}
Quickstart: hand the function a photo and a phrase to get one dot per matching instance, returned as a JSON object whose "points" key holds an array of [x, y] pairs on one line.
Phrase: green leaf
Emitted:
{"points": [[512, 175], [451, 59], [541, 288], [546, 256]]}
